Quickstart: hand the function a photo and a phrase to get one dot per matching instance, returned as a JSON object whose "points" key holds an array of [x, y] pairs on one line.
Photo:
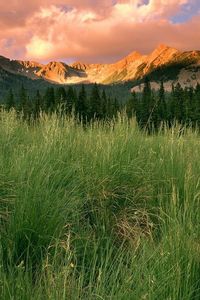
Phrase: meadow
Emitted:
{"points": [[103, 212]]}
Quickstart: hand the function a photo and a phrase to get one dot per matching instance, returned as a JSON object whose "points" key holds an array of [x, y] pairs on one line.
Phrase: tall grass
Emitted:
{"points": [[106, 212]]}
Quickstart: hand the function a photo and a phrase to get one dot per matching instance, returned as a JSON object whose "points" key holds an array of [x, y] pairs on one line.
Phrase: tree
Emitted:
{"points": [[146, 105], [71, 100], [60, 96], [189, 106], [161, 105], [81, 105], [109, 108], [178, 102], [49, 100], [196, 100], [104, 105], [61, 100], [24, 105], [170, 107], [132, 105], [37, 106], [95, 107], [116, 107], [10, 102]]}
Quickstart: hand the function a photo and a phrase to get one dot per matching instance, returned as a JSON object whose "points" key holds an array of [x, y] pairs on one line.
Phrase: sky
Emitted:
{"points": [[95, 30]]}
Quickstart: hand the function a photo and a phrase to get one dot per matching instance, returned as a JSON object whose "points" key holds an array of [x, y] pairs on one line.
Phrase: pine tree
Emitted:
{"points": [[109, 108], [22, 98], [61, 100], [24, 105], [178, 102], [146, 105], [189, 105], [95, 109], [81, 105], [131, 105], [10, 102], [153, 112], [75, 100], [170, 107], [71, 100], [104, 101], [116, 107], [37, 106], [161, 105], [196, 111], [49, 100], [60, 96]]}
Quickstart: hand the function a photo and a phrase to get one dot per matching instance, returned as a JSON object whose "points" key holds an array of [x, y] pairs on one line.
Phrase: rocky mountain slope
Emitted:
{"points": [[164, 63]]}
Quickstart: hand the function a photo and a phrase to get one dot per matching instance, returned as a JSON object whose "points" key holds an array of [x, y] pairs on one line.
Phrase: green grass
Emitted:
{"points": [[106, 212]]}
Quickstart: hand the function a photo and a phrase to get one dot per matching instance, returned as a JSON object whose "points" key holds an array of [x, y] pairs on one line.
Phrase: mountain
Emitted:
{"points": [[164, 63]]}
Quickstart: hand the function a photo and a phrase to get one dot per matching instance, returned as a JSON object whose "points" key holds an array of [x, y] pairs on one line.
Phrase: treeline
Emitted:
{"points": [[84, 105], [155, 108], [150, 108]]}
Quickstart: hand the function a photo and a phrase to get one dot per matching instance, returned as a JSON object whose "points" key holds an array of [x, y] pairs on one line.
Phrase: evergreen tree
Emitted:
{"points": [[178, 103], [37, 106], [146, 104], [170, 107], [95, 108], [10, 102], [49, 100], [189, 105], [196, 110], [24, 105], [116, 107], [75, 100], [22, 98], [81, 105], [161, 109], [71, 100], [154, 119], [104, 101], [61, 100], [60, 96], [109, 108], [132, 105]]}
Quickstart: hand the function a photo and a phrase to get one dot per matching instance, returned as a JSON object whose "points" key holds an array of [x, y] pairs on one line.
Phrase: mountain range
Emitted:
{"points": [[164, 63]]}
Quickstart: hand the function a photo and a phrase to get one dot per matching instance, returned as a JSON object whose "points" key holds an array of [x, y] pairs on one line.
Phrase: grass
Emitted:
{"points": [[106, 212]]}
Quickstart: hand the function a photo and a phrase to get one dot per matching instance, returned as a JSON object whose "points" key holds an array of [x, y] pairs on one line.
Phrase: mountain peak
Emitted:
{"points": [[56, 64], [133, 56], [130, 58], [162, 54], [163, 48], [79, 65]]}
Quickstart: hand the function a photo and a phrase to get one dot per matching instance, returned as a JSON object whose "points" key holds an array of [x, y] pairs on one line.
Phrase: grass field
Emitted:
{"points": [[106, 212]]}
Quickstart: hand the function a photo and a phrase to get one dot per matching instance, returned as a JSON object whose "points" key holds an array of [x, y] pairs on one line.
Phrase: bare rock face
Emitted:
{"points": [[133, 67]]}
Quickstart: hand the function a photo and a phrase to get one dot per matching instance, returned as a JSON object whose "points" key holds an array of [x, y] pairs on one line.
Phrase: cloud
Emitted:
{"points": [[92, 30]]}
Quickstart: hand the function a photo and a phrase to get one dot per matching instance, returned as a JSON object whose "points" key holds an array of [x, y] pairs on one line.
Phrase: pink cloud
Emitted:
{"points": [[92, 30]]}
